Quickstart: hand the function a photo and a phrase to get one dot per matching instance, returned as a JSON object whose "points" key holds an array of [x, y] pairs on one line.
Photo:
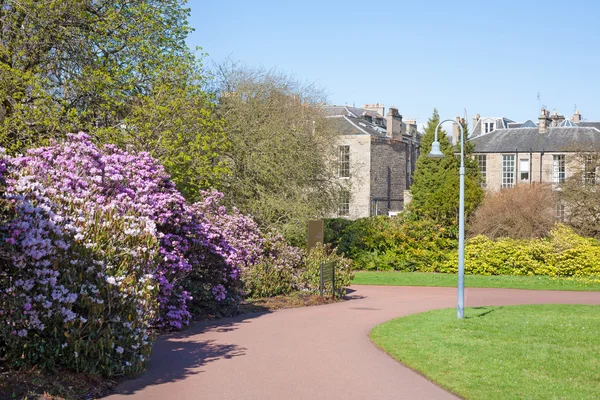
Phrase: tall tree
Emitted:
{"points": [[281, 153], [435, 191], [118, 69]]}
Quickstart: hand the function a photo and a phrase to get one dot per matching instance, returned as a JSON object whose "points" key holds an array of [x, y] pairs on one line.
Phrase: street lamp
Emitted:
{"points": [[436, 153]]}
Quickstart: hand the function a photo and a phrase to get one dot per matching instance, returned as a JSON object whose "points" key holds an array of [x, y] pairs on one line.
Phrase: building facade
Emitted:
{"points": [[547, 152], [376, 157]]}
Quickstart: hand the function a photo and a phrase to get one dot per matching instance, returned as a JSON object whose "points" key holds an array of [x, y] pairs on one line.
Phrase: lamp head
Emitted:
{"points": [[435, 151]]}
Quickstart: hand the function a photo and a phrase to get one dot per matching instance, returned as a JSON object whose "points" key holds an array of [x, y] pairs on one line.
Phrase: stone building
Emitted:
{"points": [[549, 151], [376, 155]]}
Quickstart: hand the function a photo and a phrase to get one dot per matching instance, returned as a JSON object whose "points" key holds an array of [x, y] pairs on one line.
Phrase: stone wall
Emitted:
{"points": [[388, 174], [359, 181]]}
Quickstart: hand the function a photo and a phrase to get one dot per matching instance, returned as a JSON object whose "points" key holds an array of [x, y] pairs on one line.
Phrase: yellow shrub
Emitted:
{"points": [[562, 254]]}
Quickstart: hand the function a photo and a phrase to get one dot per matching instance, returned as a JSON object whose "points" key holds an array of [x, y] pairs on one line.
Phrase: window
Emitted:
{"points": [[589, 169], [508, 171], [373, 207], [482, 162], [344, 206], [524, 170], [344, 161], [558, 169], [488, 126]]}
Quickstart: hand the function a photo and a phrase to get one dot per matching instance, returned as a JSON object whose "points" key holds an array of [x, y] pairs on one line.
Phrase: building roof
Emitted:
{"points": [[351, 121], [348, 125], [557, 139], [499, 122], [348, 111], [590, 124]]}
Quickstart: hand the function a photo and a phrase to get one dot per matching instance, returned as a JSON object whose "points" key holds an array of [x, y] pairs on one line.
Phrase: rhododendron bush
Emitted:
{"points": [[101, 246], [98, 248]]}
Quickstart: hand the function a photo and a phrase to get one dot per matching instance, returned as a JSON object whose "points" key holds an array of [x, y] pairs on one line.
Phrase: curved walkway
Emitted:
{"points": [[320, 352]]}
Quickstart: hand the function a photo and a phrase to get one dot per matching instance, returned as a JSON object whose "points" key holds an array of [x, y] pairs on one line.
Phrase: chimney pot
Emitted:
{"points": [[394, 123], [544, 121]]}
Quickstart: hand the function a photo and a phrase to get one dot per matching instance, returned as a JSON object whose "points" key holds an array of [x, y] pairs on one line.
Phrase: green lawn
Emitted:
{"points": [[516, 352], [394, 278]]}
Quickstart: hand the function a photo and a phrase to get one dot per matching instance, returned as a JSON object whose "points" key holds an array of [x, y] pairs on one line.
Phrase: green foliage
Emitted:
{"points": [[562, 254], [326, 254], [538, 282], [119, 70], [283, 172], [348, 236], [407, 244], [435, 191], [284, 270], [401, 243], [278, 271]]}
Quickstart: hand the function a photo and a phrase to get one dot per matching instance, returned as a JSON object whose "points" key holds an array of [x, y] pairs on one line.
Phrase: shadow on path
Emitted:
{"points": [[176, 355]]}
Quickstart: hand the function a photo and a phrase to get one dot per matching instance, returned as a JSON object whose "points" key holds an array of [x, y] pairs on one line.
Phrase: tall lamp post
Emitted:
{"points": [[436, 153]]}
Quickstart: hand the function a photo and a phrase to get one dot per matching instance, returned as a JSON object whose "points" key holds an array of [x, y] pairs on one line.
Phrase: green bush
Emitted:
{"points": [[278, 270], [311, 276], [285, 269], [348, 236], [401, 243]]}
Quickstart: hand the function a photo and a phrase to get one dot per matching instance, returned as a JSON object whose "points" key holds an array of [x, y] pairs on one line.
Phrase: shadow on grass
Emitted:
{"points": [[178, 355], [487, 311]]}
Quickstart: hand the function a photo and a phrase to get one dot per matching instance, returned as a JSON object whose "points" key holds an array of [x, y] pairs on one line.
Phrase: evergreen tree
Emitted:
{"points": [[435, 191]]}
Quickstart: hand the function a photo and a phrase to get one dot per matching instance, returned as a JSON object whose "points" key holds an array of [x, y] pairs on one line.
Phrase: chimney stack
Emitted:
{"points": [[378, 108], [475, 120], [544, 121], [556, 119], [394, 123], [576, 117]]}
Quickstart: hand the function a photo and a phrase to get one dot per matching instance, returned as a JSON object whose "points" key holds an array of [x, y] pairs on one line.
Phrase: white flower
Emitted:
{"points": [[119, 350]]}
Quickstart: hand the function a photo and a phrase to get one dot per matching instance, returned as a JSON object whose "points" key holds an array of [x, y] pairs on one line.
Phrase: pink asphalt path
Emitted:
{"points": [[320, 352]]}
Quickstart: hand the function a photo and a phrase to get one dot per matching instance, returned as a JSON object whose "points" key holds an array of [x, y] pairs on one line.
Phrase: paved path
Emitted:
{"points": [[314, 353]]}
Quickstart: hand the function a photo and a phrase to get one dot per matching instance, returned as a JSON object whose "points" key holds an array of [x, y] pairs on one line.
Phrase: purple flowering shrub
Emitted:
{"points": [[78, 290], [135, 183], [101, 246], [97, 246], [234, 244]]}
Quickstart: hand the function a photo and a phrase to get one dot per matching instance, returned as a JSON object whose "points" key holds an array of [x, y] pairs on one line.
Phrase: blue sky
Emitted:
{"points": [[491, 58]]}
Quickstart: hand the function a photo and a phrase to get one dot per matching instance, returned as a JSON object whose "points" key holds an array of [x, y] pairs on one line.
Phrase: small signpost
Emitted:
{"points": [[327, 275]]}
